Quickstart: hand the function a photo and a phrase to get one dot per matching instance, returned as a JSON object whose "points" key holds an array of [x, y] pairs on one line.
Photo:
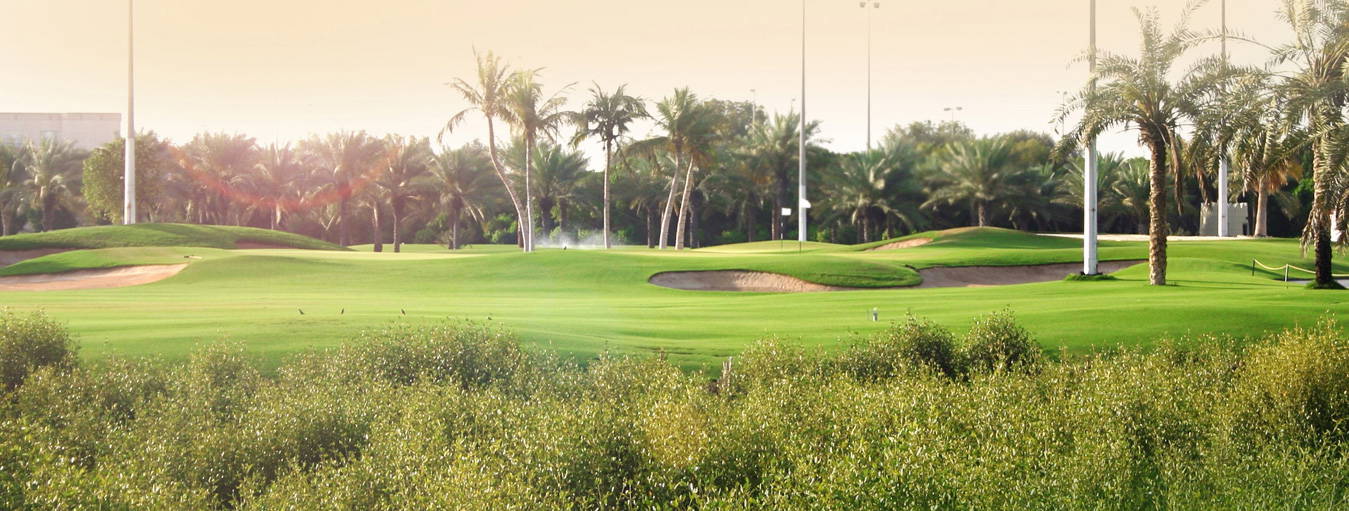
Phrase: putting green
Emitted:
{"points": [[583, 302]]}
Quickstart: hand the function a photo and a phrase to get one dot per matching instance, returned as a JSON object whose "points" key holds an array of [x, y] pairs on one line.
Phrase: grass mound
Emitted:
{"points": [[459, 416], [160, 235]]}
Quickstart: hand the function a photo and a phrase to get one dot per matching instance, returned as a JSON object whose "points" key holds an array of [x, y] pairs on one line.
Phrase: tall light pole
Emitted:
{"points": [[1223, 163], [801, 205], [1089, 177], [873, 5], [952, 110], [129, 179]]}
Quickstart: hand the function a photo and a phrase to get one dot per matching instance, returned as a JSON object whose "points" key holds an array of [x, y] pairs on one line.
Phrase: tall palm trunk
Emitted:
{"points": [[546, 205], [395, 209], [456, 210], [276, 216], [342, 222], [983, 214], [529, 197], [1318, 224], [669, 204], [608, 159], [684, 207], [48, 212], [1261, 213], [1157, 228], [375, 227], [505, 181], [6, 219], [779, 199], [650, 241]]}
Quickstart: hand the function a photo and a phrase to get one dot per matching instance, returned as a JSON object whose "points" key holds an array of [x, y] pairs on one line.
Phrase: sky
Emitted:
{"points": [[280, 70]]}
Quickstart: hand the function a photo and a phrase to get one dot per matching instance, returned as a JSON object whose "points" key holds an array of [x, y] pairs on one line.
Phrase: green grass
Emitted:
{"points": [[159, 235], [584, 302]]}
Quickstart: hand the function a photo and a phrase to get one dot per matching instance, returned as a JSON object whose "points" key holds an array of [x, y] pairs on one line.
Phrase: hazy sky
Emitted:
{"points": [[282, 69]]}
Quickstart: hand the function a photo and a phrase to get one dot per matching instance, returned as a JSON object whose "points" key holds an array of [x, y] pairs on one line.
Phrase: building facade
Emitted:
{"points": [[84, 130]]}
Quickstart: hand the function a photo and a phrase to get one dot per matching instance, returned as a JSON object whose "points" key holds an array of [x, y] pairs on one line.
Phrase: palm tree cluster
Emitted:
{"points": [[714, 171], [1273, 121]]}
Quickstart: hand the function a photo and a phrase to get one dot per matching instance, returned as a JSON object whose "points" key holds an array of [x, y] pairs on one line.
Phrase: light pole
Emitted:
{"points": [[952, 110], [1089, 177], [1223, 164], [801, 204], [129, 179], [869, 6]]}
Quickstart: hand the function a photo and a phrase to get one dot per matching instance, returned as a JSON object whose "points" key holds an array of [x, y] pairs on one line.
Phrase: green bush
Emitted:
{"points": [[903, 347], [29, 342], [1297, 383], [457, 416], [996, 343]]}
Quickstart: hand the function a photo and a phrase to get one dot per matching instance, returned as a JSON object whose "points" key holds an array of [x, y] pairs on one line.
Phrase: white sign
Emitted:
{"points": [[786, 211]]}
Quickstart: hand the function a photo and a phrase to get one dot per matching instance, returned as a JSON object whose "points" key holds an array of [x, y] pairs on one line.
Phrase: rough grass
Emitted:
{"points": [[460, 416], [159, 235]]}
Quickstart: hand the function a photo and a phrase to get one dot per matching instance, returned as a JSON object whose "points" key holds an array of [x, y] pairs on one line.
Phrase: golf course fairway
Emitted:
{"points": [[582, 302]]}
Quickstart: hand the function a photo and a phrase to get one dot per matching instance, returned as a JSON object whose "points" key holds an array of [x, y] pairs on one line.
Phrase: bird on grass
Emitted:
{"points": [[405, 312], [344, 311], [301, 310]]}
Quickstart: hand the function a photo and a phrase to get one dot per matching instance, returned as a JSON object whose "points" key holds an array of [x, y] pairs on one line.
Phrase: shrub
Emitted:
{"points": [[1298, 384], [29, 342], [997, 343], [913, 344]]}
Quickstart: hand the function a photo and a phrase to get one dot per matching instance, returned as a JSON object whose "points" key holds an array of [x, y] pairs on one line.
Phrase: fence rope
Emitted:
{"points": [[1256, 262]]}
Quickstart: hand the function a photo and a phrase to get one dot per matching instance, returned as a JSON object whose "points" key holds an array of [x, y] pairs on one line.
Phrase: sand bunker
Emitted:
{"points": [[916, 242], [91, 279], [979, 276], [8, 257], [738, 280], [961, 276]]}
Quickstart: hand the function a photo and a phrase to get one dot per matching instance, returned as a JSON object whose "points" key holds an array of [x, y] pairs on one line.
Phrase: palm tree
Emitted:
{"points": [[50, 177], [216, 161], [773, 145], [978, 173], [534, 115], [871, 190], [459, 177], [558, 174], [1138, 93], [10, 193], [276, 182], [608, 117], [677, 115], [1316, 91], [405, 161], [347, 158], [490, 97], [643, 186]]}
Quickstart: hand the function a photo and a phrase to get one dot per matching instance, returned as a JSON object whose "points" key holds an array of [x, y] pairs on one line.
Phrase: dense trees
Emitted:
{"points": [[709, 170]]}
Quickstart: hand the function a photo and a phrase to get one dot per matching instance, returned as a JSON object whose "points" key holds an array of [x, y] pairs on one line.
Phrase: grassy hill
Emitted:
{"points": [[160, 235]]}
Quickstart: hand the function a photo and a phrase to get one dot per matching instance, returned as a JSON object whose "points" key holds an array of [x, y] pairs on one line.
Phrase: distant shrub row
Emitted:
{"points": [[458, 416]]}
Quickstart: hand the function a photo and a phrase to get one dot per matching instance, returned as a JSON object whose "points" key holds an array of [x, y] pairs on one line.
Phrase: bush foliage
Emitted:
{"points": [[458, 416]]}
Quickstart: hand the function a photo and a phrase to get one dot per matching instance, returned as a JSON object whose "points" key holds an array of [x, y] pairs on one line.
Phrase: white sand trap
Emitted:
{"points": [[91, 279], [979, 276], [738, 280], [8, 257], [916, 242]]}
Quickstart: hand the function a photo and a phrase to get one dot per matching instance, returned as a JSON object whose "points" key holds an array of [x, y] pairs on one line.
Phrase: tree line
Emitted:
{"points": [[716, 171]]}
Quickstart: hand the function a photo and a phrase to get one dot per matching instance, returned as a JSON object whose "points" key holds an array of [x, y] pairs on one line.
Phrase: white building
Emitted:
{"points": [[85, 130]]}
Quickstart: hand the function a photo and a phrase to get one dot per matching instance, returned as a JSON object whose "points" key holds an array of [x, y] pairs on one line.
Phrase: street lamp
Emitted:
{"points": [[129, 178], [1224, 165], [1089, 177], [952, 110], [801, 142], [869, 6]]}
